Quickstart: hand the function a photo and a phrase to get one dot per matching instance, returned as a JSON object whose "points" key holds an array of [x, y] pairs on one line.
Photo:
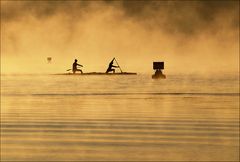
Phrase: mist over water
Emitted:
{"points": [[59, 117], [191, 37]]}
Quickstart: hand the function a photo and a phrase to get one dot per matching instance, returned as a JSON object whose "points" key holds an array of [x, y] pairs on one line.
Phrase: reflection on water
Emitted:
{"points": [[47, 117]]}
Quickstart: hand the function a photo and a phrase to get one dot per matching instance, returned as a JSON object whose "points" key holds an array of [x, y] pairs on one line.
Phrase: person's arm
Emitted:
{"points": [[115, 66], [79, 65]]}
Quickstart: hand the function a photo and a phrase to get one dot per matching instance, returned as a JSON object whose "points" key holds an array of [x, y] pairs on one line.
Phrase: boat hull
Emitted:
{"points": [[98, 73]]}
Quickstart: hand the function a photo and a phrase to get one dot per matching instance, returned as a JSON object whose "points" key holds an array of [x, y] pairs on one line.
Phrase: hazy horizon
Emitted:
{"points": [[190, 36]]}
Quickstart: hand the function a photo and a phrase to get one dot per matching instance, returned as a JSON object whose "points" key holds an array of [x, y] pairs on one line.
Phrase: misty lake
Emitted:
{"points": [[65, 118]]}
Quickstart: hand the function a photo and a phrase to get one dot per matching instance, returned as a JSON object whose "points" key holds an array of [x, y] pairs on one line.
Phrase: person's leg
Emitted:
{"points": [[109, 70], [79, 70]]}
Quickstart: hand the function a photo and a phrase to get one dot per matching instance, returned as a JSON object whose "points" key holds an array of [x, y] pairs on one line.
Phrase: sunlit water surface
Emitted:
{"points": [[64, 118]]}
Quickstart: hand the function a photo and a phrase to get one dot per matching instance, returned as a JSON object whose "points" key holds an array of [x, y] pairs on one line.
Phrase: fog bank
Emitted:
{"points": [[190, 36]]}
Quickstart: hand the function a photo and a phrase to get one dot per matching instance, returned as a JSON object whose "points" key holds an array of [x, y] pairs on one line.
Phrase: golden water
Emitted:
{"points": [[64, 118]]}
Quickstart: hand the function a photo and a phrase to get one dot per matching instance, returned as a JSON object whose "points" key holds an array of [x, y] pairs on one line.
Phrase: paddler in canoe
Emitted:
{"points": [[74, 67], [111, 67]]}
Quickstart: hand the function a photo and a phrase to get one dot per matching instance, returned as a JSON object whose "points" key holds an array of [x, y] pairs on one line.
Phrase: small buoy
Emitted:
{"points": [[49, 59]]}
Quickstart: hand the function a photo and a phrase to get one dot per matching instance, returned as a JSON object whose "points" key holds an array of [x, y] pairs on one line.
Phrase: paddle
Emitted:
{"points": [[118, 64]]}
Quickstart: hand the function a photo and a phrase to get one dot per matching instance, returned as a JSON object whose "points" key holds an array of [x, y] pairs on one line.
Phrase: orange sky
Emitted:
{"points": [[191, 37]]}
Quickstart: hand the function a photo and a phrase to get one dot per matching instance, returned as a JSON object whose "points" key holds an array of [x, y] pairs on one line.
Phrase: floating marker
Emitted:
{"points": [[158, 67], [49, 59]]}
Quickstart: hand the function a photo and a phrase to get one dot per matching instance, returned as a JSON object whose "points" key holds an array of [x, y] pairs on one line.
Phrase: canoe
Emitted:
{"points": [[99, 73]]}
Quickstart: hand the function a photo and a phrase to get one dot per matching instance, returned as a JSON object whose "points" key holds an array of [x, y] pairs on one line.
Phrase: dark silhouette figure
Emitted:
{"points": [[74, 67], [111, 67]]}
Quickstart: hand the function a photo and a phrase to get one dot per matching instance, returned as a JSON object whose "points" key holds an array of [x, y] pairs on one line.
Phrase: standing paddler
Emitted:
{"points": [[111, 67]]}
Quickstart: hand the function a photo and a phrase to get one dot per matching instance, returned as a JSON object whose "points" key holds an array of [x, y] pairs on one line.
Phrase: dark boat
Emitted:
{"points": [[110, 70], [98, 73]]}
